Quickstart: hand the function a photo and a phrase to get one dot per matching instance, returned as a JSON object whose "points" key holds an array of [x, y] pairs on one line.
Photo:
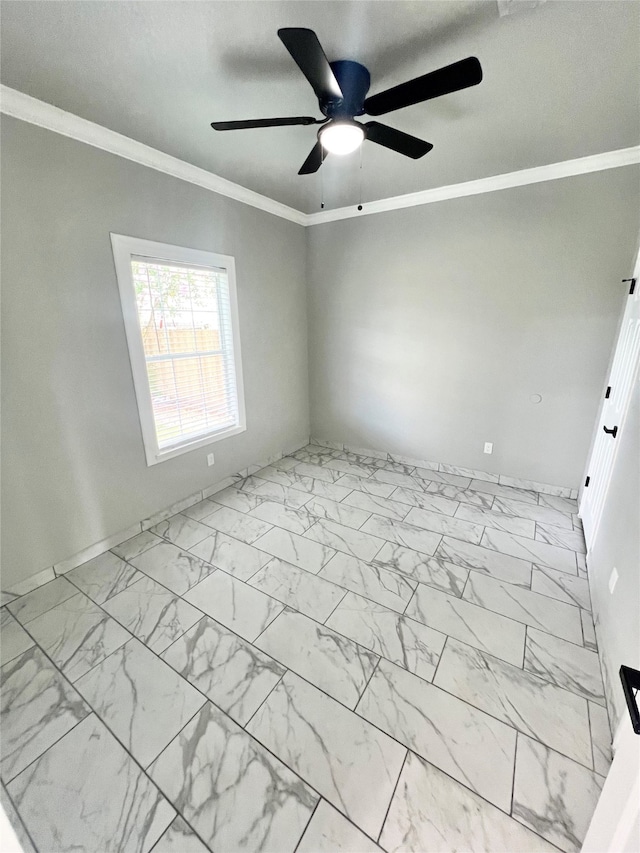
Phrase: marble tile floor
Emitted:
{"points": [[339, 653]]}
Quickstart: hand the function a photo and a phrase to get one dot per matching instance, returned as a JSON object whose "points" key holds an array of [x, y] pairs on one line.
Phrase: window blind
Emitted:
{"points": [[184, 312]]}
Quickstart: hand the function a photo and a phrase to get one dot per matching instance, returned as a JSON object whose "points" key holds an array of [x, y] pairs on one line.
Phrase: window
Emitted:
{"points": [[181, 321]]}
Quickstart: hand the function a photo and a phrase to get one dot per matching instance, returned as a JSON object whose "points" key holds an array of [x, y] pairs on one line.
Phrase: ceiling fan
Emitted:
{"points": [[341, 88]]}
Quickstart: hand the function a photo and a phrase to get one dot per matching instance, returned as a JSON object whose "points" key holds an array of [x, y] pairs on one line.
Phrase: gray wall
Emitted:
{"points": [[74, 469], [431, 327], [618, 545]]}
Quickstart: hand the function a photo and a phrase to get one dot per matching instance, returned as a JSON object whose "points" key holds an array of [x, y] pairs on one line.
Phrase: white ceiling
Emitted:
{"points": [[561, 80]]}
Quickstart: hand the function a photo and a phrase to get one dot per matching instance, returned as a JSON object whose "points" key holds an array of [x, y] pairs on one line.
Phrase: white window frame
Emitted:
{"points": [[124, 248]]}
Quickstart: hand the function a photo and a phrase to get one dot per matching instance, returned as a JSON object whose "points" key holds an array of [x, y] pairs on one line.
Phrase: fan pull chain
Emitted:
{"points": [[360, 193]]}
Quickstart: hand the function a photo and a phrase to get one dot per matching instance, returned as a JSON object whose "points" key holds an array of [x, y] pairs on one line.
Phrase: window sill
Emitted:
{"points": [[154, 457]]}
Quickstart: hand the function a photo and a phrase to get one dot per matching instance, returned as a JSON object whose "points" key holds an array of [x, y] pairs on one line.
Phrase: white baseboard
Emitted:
{"points": [[51, 572], [446, 468]]}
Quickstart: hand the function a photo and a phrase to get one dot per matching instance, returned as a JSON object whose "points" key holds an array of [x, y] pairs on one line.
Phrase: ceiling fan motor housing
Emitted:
{"points": [[354, 81]]}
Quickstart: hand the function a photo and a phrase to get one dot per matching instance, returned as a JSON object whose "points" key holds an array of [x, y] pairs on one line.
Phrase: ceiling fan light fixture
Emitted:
{"points": [[341, 137]]}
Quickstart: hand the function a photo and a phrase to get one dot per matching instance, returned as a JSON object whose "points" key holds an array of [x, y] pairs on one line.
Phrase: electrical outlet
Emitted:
{"points": [[210, 459], [488, 447], [613, 580]]}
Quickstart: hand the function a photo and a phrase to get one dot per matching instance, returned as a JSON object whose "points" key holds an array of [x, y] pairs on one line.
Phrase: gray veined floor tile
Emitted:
{"points": [[330, 832], [455, 493], [245, 610], [201, 510], [573, 667], [237, 497], [570, 539], [553, 795], [432, 812], [351, 763], [523, 700], [176, 569], [235, 794], [302, 552], [235, 675], [562, 586], [38, 707], [588, 631], [286, 463], [543, 514], [443, 477], [181, 530], [534, 486], [375, 504], [299, 482], [155, 615], [14, 640], [234, 557], [403, 533], [381, 585], [406, 642], [358, 544], [294, 520], [418, 567], [26, 845], [468, 556], [396, 478], [581, 560], [86, 793], [469, 745], [528, 549], [357, 469], [600, 738], [343, 513], [562, 504], [500, 491], [140, 698], [77, 634], [497, 520], [180, 838], [317, 472], [537, 611], [329, 660], [35, 603], [368, 486], [137, 544], [104, 576], [469, 623], [445, 524], [471, 473], [265, 489], [424, 500], [23, 587], [237, 524], [298, 588]]}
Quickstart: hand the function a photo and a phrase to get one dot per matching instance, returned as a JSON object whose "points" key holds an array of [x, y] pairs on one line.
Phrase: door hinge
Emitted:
{"points": [[607, 392], [586, 482], [632, 282]]}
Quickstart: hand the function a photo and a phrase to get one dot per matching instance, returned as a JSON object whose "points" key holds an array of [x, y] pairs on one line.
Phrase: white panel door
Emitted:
{"points": [[624, 372]]}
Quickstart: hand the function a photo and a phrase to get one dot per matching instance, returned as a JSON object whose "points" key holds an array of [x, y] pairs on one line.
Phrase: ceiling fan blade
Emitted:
{"points": [[306, 50], [398, 141], [315, 159], [452, 78], [261, 122]]}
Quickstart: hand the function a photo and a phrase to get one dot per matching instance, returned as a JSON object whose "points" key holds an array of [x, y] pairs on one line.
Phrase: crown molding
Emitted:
{"points": [[34, 111], [535, 175]]}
